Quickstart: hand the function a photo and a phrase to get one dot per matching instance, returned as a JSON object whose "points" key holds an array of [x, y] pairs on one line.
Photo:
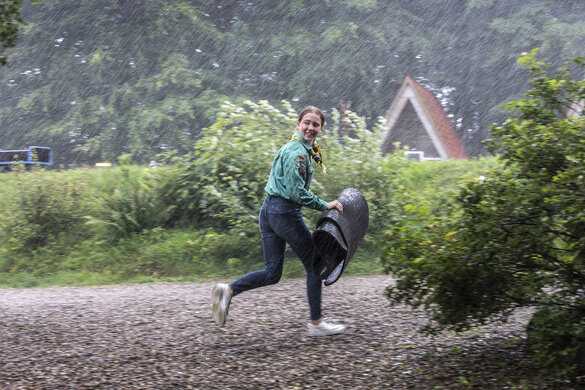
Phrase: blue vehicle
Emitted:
{"points": [[34, 155]]}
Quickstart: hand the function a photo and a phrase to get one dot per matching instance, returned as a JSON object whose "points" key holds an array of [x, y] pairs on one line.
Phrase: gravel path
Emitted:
{"points": [[161, 336]]}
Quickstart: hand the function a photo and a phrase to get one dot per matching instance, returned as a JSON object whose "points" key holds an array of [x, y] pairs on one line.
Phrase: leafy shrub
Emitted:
{"points": [[50, 204], [128, 205], [555, 338], [515, 237], [222, 183], [43, 206]]}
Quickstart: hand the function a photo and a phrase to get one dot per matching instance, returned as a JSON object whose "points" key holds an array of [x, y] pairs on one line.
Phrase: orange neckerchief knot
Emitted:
{"points": [[316, 153]]}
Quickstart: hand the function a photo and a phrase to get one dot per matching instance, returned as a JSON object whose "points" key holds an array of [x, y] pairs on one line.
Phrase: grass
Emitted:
{"points": [[82, 257]]}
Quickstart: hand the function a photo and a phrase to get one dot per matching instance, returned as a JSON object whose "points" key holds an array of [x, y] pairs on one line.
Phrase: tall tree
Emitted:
{"points": [[78, 61]]}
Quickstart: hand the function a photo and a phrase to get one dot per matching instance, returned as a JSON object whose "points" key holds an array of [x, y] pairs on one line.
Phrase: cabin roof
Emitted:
{"points": [[436, 123]]}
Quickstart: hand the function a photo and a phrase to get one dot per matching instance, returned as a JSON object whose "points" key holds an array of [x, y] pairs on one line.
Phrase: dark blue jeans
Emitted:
{"points": [[281, 222]]}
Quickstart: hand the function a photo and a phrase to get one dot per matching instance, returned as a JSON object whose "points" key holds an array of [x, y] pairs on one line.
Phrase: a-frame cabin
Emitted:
{"points": [[416, 119]]}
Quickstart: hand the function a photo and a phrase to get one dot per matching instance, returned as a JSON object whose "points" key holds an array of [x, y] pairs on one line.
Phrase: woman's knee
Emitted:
{"points": [[272, 276]]}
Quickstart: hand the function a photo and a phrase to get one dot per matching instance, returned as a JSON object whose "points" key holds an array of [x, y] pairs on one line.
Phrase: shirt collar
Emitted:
{"points": [[302, 140]]}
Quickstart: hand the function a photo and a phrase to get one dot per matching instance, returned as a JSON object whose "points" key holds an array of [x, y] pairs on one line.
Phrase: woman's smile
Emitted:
{"points": [[309, 127]]}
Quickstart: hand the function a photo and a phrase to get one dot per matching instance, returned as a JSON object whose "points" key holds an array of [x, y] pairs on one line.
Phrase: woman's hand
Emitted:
{"points": [[335, 205]]}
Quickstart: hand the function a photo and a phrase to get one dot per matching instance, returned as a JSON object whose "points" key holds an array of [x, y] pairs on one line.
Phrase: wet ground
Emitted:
{"points": [[162, 336]]}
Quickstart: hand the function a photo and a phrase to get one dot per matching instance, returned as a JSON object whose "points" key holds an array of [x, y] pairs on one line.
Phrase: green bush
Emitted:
{"points": [[222, 183], [515, 237], [128, 205], [42, 209]]}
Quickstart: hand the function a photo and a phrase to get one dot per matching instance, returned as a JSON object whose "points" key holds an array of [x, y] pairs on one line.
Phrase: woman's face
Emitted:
{"points": [[309, 127]]}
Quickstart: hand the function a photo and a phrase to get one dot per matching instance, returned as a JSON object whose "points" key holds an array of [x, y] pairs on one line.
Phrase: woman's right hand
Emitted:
{"points": [[335, 205]]}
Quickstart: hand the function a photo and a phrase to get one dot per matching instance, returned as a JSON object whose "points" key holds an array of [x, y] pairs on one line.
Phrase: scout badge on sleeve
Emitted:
{"points": [[300, 165]]}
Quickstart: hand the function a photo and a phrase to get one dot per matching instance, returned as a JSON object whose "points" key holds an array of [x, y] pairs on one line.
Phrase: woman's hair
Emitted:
{"points": [[312, 110]]}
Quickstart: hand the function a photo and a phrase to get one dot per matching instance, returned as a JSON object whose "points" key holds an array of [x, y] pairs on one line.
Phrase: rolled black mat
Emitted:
{"points": [[338, 235]]}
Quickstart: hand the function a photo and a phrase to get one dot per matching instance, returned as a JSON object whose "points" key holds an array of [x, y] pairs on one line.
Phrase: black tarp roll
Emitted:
{"points": [[338, 235]]}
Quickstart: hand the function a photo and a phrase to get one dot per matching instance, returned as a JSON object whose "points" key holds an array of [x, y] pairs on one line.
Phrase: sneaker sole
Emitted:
{"points": [[318, 334], [216, 306]]}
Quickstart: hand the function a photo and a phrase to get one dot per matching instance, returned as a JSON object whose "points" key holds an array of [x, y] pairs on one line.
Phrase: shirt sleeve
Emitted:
{"points": [[297, 180]]}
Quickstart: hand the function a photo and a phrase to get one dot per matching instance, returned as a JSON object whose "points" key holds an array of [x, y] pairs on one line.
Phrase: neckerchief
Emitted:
{"points": [[315, 152]]}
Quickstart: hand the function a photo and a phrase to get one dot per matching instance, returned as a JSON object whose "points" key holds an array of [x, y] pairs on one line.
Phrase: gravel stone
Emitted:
{"points": [[162, 336]]}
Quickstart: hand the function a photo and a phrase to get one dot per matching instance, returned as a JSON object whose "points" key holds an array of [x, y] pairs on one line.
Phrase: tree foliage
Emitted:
{"points": [[515, 237], [98, 79], [10, 20]]}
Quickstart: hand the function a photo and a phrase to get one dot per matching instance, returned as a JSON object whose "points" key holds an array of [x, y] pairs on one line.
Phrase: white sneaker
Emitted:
{"points": [[220, 302], [325, 329]]}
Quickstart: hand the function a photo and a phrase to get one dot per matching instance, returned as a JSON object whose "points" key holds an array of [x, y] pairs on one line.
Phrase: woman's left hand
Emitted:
{"points": [[335, 205]]}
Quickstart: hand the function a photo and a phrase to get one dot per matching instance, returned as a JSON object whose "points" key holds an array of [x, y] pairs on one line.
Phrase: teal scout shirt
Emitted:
{"points": [[291, 175]]}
